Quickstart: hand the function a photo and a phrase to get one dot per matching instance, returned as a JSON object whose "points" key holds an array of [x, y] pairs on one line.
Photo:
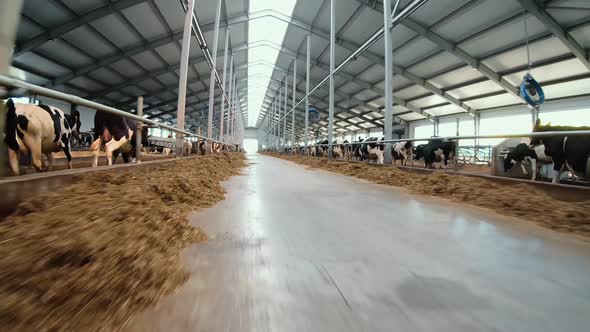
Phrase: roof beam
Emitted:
{"points": [[453, 49], [57, 32], [551, 24]]}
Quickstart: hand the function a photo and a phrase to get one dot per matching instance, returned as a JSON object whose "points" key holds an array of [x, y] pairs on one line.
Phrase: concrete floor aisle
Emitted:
{"points": [[293, 249]]}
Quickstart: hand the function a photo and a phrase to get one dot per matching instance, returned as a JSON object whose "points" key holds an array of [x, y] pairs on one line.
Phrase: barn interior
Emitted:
{"points": [[326, 165]]}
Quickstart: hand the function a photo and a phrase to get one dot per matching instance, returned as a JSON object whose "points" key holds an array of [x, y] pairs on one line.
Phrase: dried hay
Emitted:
{"points": [[97, 252]]}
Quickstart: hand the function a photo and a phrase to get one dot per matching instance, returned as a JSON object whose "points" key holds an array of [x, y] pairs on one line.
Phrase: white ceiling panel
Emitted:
{"points": [[542, 50], [476, 89], [493, 101], [413, 51], [554, 71], [568, 89], [27, 30], [434, 65], [115, 30], [41, 64], [127, 68], [144, 20], [106, 76], [88, 42], [147, 60], [582, 36], [454, 77], [57, 49], [47, 13], [428, 101], [169, 52], [86, 84], [433, 11], [410, 92], [503, 36], [482, 15], [445, 110], [83, 7]]}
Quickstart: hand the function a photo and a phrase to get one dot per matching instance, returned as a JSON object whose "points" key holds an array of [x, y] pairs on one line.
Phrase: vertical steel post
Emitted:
{"points": [[294, 91], [458, 121], [332, 60], [307, 70], [9, 18], [231, 92], [212, 78], [280, 132], [139, 131], [224, 95], [285, 115], [186, 43], [388, 42]]}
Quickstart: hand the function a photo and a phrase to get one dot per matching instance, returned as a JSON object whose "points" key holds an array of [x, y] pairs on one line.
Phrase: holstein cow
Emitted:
{"points": [[38, 129], [567, 152], [117, 134], [436, 151], [339, 149], [373, 149], [525, 154], [403, 151], [357, 151], [322, 148]]}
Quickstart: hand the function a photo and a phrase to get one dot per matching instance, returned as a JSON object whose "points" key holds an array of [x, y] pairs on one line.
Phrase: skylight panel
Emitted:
{"points": [[259, 30]]}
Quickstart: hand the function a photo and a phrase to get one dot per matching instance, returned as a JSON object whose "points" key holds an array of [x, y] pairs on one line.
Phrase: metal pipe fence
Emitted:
{"points": [[454, 138], [10, 82]]}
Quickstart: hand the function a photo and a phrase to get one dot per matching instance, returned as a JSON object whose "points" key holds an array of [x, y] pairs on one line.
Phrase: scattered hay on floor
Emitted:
{"points": [[517, 200], [97, 252]]}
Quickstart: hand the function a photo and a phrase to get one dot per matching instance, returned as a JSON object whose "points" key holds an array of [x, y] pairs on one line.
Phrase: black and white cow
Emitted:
{"points": [[373, 149], [523, 154], [117, 134], [357, 150], [322, 148], [339, 149], [38, 129], [568, 153], [435, 151], [403, 151]]}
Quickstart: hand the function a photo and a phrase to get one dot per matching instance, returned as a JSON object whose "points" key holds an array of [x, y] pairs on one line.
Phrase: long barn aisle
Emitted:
{"points": [[293, 249]]}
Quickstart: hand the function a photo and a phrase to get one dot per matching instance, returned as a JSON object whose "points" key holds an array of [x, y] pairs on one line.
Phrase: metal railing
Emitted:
{"points": [[455, 138], [10, 82]]}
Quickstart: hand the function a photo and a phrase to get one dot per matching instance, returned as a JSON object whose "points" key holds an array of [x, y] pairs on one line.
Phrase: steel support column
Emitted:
{"points": [[9, 18], [294, 94], [231, 92], [388, 43], [224, 85], [285, 114], [212, 76], [140, 131], [332, 60], [307, 73], [186, 43]]}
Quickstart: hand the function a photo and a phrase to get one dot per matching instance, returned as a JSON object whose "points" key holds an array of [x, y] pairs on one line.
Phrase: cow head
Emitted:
{"points": [[509, 161]]}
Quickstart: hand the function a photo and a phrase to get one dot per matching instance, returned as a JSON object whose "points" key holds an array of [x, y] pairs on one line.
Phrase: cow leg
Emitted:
{"points": [[13, 159], [557, 168], [112, 146], [33, 144], [523, 168], [534, 169], [95, 148], [68, 156], [49, 156]]}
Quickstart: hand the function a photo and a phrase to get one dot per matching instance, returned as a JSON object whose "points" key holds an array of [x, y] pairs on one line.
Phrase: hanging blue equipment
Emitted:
{"points": [[314, 115], [531, 91]]}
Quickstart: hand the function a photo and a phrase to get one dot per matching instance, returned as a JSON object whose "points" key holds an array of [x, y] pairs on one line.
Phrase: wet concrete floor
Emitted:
{"points": [[293, 249]]}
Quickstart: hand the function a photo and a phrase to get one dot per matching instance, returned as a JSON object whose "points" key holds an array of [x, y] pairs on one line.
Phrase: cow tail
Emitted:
{"points": [[11, 122]]}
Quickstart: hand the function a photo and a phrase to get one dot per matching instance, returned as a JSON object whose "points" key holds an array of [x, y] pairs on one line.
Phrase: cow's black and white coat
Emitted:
{"points": [[403, 151], [38, 129], [117, 134], [568, 153]]}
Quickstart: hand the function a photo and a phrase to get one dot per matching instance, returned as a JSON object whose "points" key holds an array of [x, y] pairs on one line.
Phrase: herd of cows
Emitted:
{"points": [[566, 153], [43, 130], [437, 152]]}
